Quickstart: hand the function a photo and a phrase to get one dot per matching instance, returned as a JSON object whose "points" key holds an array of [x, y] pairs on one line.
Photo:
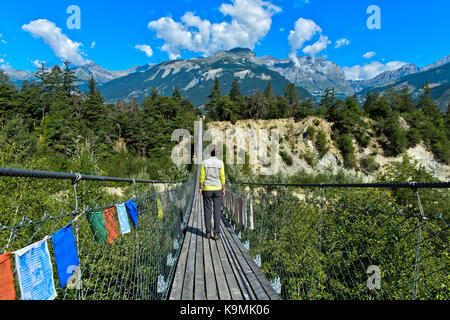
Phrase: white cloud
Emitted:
{"points": [[145, 48], [318, 46], [38, 63], [5, 67], [62, 46], [3, 41], [369, 55], [370, 70], [251, 20], [2, 60], [93, 44], [305, 30], [342, 42]]}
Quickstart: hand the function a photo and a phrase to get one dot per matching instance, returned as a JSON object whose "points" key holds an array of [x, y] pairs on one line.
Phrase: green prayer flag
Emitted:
{"points": [[98, 227]]}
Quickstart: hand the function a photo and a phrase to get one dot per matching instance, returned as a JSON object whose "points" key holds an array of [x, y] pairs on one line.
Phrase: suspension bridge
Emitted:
{"points": [[324, 241]]}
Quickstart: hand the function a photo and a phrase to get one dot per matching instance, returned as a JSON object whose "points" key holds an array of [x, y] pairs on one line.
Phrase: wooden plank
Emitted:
{"points": [[177, 284], [224, 291], [239, 273], [235, 291], [256, 270], [199, 286], [188, 283], [251, 278], [210, 278]]}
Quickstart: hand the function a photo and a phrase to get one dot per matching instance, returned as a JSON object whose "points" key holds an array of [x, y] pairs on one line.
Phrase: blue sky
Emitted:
{"points": [[411, 31]]}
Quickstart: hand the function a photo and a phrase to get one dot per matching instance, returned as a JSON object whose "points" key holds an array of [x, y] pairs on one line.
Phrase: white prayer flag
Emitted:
{"points": [[35, 272]]}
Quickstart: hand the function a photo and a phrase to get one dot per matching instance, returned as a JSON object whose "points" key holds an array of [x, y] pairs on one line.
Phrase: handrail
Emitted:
{"points": [[75, 177], [391, 185]]}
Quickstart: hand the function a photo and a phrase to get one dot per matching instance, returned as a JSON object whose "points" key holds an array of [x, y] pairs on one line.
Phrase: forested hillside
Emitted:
{"points": [[393, 121], [47, 122]]}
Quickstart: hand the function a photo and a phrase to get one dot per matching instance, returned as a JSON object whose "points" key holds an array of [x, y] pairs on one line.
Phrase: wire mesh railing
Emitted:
{"points": [[343, 242], [124, 251]]}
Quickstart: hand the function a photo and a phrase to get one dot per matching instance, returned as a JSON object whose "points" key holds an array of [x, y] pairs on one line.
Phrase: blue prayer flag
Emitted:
{"points": [[65, 253], [35, 272], [123, 218], [132, 211]]}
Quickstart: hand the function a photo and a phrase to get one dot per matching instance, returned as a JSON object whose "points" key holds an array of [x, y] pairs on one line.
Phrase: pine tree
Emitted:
{"points": [[235, 91], [269, 91], [216, 91], [68, 79], [176, 93], [93, 108], [212, 106]]}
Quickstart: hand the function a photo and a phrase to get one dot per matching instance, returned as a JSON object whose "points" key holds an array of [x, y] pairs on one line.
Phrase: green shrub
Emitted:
{"points": [[310, 157], [322, 144], [414, 137], [347, 148], [368, 164], [286, 158], [310, 133]]}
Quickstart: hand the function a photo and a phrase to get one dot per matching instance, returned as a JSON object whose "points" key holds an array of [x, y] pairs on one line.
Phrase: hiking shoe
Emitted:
{"points": [[216, 237], [208, 235]]}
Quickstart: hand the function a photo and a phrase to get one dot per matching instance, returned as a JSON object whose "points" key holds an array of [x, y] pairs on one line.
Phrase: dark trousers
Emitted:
{"points": [[212, 202]]}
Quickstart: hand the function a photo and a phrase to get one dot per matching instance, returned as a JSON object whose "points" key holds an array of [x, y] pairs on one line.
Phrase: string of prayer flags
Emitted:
{"points": [[123, 218], [97, 224], [35, 272], [7, 291], [111, 225], [66, 255], [132, 211], [159, 208]]}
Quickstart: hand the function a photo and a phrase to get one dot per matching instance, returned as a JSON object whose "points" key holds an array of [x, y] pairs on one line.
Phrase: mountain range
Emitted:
{"points": [[195, 77]]}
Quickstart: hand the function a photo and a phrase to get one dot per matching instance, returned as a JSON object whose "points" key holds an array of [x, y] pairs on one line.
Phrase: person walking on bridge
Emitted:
{"points": [[212, 187]]}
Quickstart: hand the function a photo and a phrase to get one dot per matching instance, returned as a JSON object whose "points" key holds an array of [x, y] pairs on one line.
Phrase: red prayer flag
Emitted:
{"points": [[111, 225], [7, 291]]}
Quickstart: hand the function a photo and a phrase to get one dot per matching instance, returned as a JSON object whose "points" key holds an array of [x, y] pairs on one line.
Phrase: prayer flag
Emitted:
{"points": [[123, 218], [98, 227], [7, 291], [66, 255], [244, 213], [132, 211], [241, 220], [111, 225], [164, 200], [252, 227], [35, 272], [159, 208]]}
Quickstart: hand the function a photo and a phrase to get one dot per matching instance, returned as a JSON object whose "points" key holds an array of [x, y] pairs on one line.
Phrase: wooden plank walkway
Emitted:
{"points": [[216, 270]]}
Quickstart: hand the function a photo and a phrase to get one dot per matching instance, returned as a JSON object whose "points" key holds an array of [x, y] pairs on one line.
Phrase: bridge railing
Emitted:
{"points": [[138, 264], [364, 241]]}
